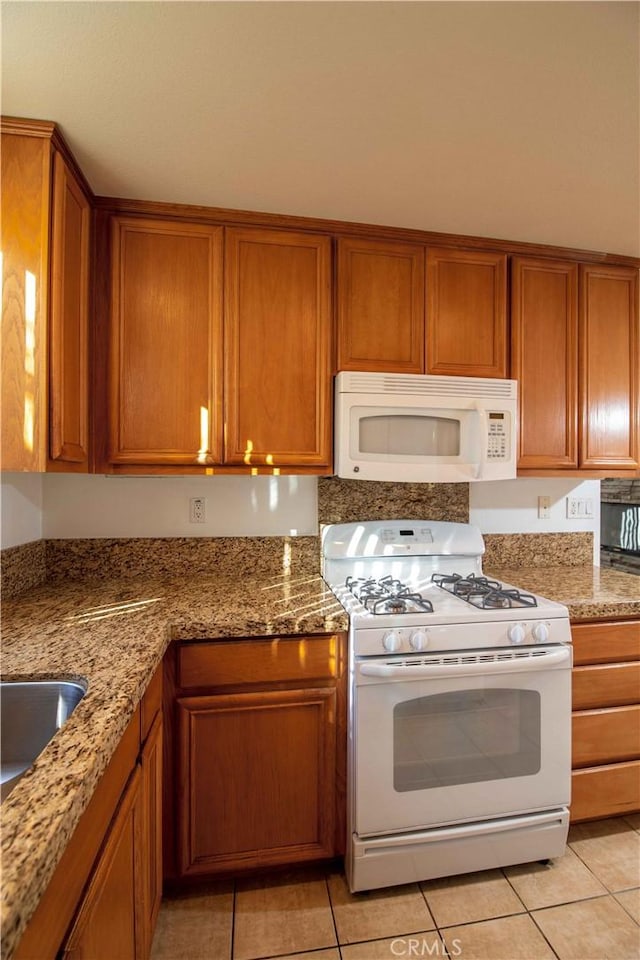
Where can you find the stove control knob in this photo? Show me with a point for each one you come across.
(540, 632)
(516, 633)
(391, 641)
(419, 640)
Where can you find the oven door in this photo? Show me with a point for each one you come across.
(449, 739)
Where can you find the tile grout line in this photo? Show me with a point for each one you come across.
(593, 874)
(333, 916)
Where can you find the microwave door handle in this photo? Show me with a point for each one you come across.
(483, 420)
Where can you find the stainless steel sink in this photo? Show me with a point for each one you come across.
(30, 714)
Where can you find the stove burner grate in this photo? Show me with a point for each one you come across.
(482, 592)
(387, 595)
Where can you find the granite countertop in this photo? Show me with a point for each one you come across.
(114, 635)
(590, 593)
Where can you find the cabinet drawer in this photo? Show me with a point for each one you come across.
(609, 685)
(606, 642)
(600, 736)
(605, 791)
(235, 663)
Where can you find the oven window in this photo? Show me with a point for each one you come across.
(408, 435)
(465, 736)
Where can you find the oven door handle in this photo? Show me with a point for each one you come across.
(534, 662)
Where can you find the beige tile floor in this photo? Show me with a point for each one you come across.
(583, 906)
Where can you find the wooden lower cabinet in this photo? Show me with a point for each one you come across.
(257, 751)
(606, 719)
(105, 927)
(258, 774)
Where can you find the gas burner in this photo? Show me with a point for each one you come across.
(483, 593)
(387, 595)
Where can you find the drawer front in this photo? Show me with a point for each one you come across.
(239, 663)
(605, 791)
(602, 736)
(608, 685)
(606, 642)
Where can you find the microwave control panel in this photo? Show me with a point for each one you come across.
(498, 444)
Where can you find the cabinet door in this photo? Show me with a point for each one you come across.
(609, 358)
(25, 167)
(151, 852)
(466, 313)
(166, 337)
(257, 776)
(277, 346)
(380, 302)
(544, 360)
(105, 927)
(68, 339)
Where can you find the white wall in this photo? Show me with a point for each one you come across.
(510, 506)
(21, 496)
(99, 506)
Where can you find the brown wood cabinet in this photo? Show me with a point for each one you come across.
(257, 749)
(609, 368)
(466, 313)
(606, 719)
(103, 898)
(574, 352)
(105, 926)
(278, 396)
(45, 301)
(380, 305)
(166, 343)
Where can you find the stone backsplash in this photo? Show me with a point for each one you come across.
(345, 501)
(537, 550)
(22, 568)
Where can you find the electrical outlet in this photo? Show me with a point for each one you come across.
(197, 510)
(544, 508)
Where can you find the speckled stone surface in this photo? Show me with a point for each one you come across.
(23, 567)
(113, 633)
(344, 501)
(538, 549)
(590, 593)
(179, 556)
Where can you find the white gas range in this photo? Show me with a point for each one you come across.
(459, 700)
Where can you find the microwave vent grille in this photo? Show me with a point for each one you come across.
(425, 385)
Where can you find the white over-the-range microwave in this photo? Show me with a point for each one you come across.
(424, 428)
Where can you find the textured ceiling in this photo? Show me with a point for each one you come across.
(517, 120)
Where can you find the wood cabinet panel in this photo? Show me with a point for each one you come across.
(380, 303)
(609, 361)
(544, 360)
(233, 663)
(607, 685)
(151, 835)
(277, 348)
(69, 321)
(166, 343)
(25, 167)
(605, 642)
(105, 928)
(466, 313)
(601, 736)
(606, 791)
(258, 775)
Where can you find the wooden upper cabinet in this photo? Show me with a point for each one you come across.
(69, 321)
(166, 343)
(277, 349)
(544, 360)
(466, 313)
(380, 304)
(609, 360)
(45, 301)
